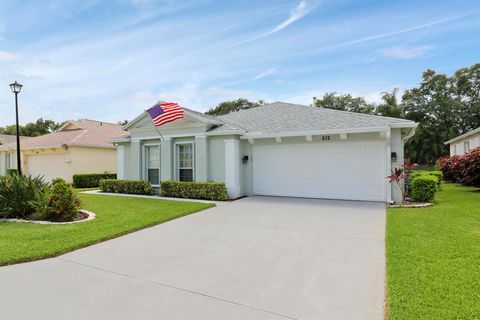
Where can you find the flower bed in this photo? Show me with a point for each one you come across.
(31, 198)
(82, 216)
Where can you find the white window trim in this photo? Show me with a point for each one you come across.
(465, 150)
(176, 173)
(8, 161)
(144, 162)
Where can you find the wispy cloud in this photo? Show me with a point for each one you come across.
(392, 33)
(405, 53)
(9, 56)
(266, 73)
(298, 12)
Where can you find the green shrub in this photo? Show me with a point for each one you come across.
(194, 190)
(91, 180)
(126, 186)
(17, 193)
(424, 188)
(12, 171)
(437, 174)
(63, 203)
(58, 180)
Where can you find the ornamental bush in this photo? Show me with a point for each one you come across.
(194, 190)
(462, 169)
(424, 188)
(436, 174)
(470, 171)
(63, 203)
(17, 192)
(126, 186)
(91, 180)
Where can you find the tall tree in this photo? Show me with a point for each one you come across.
(389, 107)
(344, 102)
(32, 129)
(234, 105)
(466, 86)
(438, 113)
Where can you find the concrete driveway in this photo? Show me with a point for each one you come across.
(255, 258)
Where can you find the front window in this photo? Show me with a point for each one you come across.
(185, 161)
(466, 146)
(8, 161)
(152, 164)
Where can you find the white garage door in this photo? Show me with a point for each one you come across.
(330, 170)
(49, 165)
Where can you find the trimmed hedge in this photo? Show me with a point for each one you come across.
(91, 180)
(424, 188)
(436, 174)
(126, 186)
(194, 190)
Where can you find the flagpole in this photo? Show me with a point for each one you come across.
(156, 128)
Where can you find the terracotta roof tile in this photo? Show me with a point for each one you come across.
(82, 132)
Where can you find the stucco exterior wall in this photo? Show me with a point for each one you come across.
(64, 163)
(458, 147)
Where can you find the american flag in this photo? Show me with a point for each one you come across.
(165, 112)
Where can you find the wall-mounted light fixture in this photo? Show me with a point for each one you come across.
(245, 159)
(394, 156)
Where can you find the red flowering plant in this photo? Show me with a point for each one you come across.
(398, 176)
(462, 169)
(401, 177)
(470, 169)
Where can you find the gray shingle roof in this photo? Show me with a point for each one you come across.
(280, 117)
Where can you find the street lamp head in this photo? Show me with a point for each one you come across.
(16, 87)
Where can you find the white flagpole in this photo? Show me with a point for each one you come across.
(156, 128)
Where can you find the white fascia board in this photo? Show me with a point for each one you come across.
(131, 123)
(404, 125)
(86, 145)
(463, 136)
(225, 133)
(251, 135)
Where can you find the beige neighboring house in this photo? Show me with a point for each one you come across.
(7, 138)
(464, 143)
(77, 147)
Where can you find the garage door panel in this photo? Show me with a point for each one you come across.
(337, 170)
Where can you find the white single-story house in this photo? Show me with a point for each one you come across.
(80, 146)
(278, 149)
(464, 143)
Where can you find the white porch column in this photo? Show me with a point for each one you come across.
(232, 167)
(135, 157)
(201, 167)
(120, 162)
(166, 160)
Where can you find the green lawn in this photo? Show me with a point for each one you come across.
(116, 216)
(433, 258)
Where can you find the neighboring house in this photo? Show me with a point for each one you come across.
(278, 149)
(77, 147)
(7, 138)
(464, 143)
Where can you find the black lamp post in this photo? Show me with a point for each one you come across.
(16, 88)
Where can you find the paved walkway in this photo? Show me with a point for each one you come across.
(255, 258)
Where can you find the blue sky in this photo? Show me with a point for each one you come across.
(109, 60)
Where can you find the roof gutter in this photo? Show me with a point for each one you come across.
(465, 135)
(253, 135)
